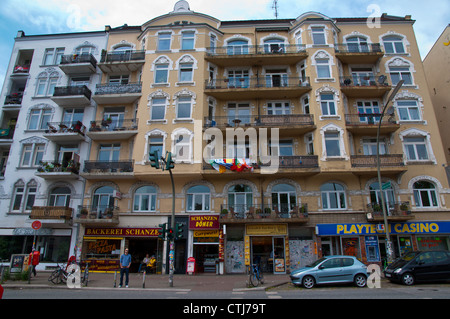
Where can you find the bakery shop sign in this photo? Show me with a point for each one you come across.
(204, 222)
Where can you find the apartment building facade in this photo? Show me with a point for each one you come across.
(45, 108)
(309, 92)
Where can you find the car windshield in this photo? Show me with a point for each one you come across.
(399, 262)
(314, 264)
(409, 256)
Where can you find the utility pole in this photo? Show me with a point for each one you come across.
(275, 8)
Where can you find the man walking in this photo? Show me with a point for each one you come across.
(125, 262)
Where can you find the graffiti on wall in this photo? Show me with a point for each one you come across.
(301, 253)
(235, 257)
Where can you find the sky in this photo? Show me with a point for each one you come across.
(61, 16)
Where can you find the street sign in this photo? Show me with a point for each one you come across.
(36, 225)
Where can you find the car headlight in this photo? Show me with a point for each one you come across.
(398, 270)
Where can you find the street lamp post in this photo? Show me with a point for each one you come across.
(389, 250)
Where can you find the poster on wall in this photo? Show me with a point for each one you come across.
(350, 246)
(372, 249)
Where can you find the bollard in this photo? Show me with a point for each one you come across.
(143, 278)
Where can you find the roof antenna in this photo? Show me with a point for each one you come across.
(275, 8)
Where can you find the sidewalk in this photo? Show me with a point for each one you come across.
(200, 282)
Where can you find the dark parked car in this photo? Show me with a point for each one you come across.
(331, 270)
(420, 266)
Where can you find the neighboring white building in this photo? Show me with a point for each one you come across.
(46, 107)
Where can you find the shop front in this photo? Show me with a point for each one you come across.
(368, 241)
(102, 247)
(207, 242)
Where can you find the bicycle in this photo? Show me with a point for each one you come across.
(85, 276)
(59, 275)
(255, 276)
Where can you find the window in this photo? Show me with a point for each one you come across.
(119, 79)
(103, 199)
(284, 148)
(240, 199)
(393, 44)
(39, 119)
(277, 78)
(318, 35)
(425, 194)
(109, 152)
(182, 146)
(238, 113)
(237, 47)
(323, 68)
(145, 199)
(274, 46)
(24, 196)
(375, 195)
(73, 115)
(333, 196)
(212, 43)
(85, 50)
(187, 40)
(238, 79)
(368, 107)
(162, 73)
(198, 199)
(400, 73)
(416, 148)
(370, 146)
(158, 109)
(363, 77)
(408, 110)
(156, 144)
(184, 104)
(164, 40)
(328, 105)
(332, 145)
(357, 44)
(284, 198)
(186, 72)
(60, 196)
(32, 155)
(46, 85)
(278, 108)
(17, 198)
(53, 56)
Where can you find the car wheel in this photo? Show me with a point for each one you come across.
(308, 282)
(408, 279)
(360, 280)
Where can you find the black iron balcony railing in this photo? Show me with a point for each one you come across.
(14, 98)
(258, 83)
(79, 58)
(273, 48)
(368, 119)
(117, 88)
(296, 161)
(66, 127)
(282, 210)
(114, 125)
(73, 91)
(357, 80)
(71, 166)
(357, 48)
(122, 56)
(392, 209)
(125, 166)
(386, 160)
(284, 120)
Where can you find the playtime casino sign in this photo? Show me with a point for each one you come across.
(374, 229)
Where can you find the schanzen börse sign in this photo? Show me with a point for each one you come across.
(394, 228)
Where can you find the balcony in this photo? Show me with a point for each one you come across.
(367, 164)
(14, 100)
(59, 213)
(250, 55)
(258, 87)
(122, 61)
(394, 211)
(114, 93)
(108, 169)
(364, 86)
(358, 53)
(72, 96)
(21, 70)
(113, 130)
(65, 132)
(69, 170)
(78, 64)
(367, 123)
(97, 216)
(238, 214)
(6, 136)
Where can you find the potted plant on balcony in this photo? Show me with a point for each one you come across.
(259, 213)
(83, 213)
(224, 213)
(404, 208)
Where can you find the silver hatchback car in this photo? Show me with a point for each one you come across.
(330, 270)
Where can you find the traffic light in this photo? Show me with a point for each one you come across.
(154, 160)
(169, 162)
(162, 232)
(179, 230)
(170, 234)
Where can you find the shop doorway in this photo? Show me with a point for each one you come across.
(206, 257)
(269, 253)
(139, 248)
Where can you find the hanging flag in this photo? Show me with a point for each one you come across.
(4, 132)
(238, 165)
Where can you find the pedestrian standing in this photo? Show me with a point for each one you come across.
(125, 263)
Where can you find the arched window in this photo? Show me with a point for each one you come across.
(333, 196)
(425, 194)
(198, 199)
(274, 46)
(145, 199)
(393, 44)
(375, 195)
(357, 44)
(237, 47)
(103, 199)
(284, 198)
(240, 199)
(60, 196)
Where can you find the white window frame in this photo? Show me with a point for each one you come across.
(152, 200)
(205, 199)
(400, 39)
(322, 32)
(408, 110)
(412, 146)
(418, 198)
(155, 105)
(337, 193)
(32, 155)
(188, 37)
(40, 117)
(52, 56)
(186, 143)
(328, 104)
(164, 37)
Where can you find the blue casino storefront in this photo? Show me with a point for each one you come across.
(367, 241)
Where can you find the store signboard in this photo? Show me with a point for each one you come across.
(394, 228)
(122, 232)
(204, 222)
(266, 229)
